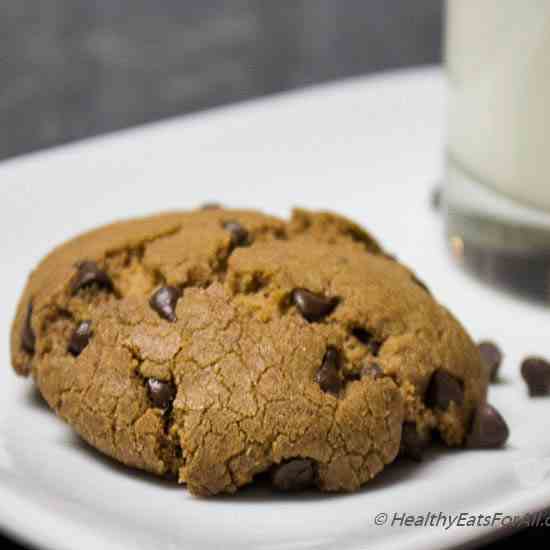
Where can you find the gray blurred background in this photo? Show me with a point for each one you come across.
(75, 68)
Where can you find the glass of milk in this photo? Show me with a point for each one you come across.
(497, 192)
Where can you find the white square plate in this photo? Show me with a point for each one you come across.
(368, 148)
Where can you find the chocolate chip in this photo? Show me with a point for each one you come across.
(164, 301)
(536, 373)
(489, 430)
(161, 393)
(413, 444)
(443, 389)
(80, 338)
(295, 475)
(421, 284)
(28, 338)
(328, 376)
(239, 235)
(492, 357)
(90, 274)
(211, 206)
(372, 370)
(364, 336)
(313, 307)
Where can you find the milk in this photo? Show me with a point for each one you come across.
(498, 63)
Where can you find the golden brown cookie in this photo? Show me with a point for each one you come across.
(217, 344)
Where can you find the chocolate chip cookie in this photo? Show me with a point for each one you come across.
(216, 345)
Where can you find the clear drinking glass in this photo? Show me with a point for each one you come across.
(497, 188)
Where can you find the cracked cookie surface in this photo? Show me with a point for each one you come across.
(216, 345)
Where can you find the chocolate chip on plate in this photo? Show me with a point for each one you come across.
(295, 475)
(28, 338)
(312, 306)
(239, 235)
(489, 430)
(442, 389)
(328, 375)
(372, 370)
(161, 393)
(492, 357)
(413, 444)
(164, 301)
(536, 373)
(80, 338)
(89, 274)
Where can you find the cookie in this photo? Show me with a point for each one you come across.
(216, 345)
